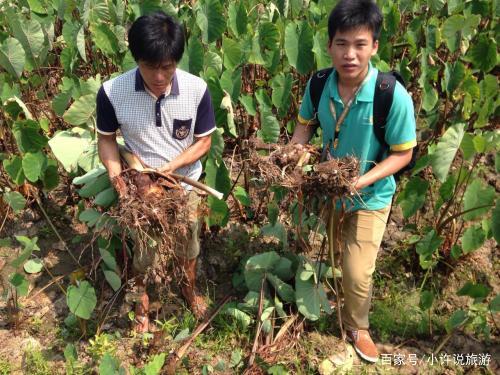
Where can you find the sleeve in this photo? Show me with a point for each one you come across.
(306, 112)
(107, 122)
(400, 132)
(205, 118)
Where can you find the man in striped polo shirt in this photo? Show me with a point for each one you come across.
(166, 118)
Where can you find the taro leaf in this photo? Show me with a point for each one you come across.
(483, 53)
(81, 110)
(427, 246)
(105, 39)
(213, 62)
(477, 291)
(495, 218)
(217, 175)
(91, 189)
(14, 168)
(273, 212)
(154, 366)
(426, 299)
(230, 81)
(182, 335)
(241, 317)
(50, 178)
(473, 239)
(108, 259)
(454, 73)
(267, 326)
(28, 137)
(266, 313)
(479, 142)
(89, 176)
(478, 195)
(80, 43)
(195, 54)
(323, 59)
(217, 146)
(20, 283)
(452, 31)
(210, 19)
(458, 318)
(284, 290)
(495, 304)
(15, 200)
(110, 365)
(257, 266)
(228, 106)
(237, 18)
(299, 45)
(89, 159)
(430, 97)
(311, 298)
(232, 53)
(283, 269)
(263, 99)
(70, 353)
(106, 197)
(218, 212)
(12, 57)
(30, 34)
(270, 127)
(37, 6)
(242, 196)
(113, 279)
(467, 146)
(249, 103)
(413, 196)
(282, 90)
(81, 299)
(34, 165)
(90, 216)
(446, 150)
(33, 266)
(278, 231)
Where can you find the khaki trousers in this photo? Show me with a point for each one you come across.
(186, 247)
(359, 237)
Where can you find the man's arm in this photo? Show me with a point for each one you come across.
(302, 134)
(109, 154)
(193, 153)
(390, 165)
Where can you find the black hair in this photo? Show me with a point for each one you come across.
(353, 14)
(155, 38)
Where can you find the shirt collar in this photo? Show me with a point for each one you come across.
(366, 92)
(139, 83)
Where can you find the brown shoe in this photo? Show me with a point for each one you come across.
(363, 345)
(193, 298)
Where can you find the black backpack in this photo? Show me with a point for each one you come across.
(382, 102)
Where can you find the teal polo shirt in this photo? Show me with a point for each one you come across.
(357, 137)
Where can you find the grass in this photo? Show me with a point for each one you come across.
(5, 367)
(35, 363)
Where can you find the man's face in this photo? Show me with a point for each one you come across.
(157, 77)
(351, 51)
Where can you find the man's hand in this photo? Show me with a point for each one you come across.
(166, 168)
(120, 186)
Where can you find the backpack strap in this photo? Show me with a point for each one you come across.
(382, 102)
(318, 81)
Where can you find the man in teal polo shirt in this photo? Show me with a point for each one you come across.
(353, 28)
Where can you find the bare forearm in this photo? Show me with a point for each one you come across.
(190, 155)
(393, 163)
(109, 154)
(302, 134)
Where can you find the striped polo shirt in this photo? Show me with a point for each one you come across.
(157, 129)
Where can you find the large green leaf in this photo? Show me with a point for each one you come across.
(311, 298)
(217, 175)
(81, 110)
(14, 167)
(94, 187)
(218, 212)
(90, 216)
(269, 126)
(477, 291)
(478, 195)
(454, 73)
(284, 290)
(446, 149)
(227, 104)
(20, 283)
(323, 59)
(34, 165)
(154, 366)
(113, 279)
(12, 57)
(230, 81)
(31, 36)
(413, 196)
(237, 17)
(81, 299)
(33, 266)
(472, 239)
(193, 58)
(458, 318)
(210, 19)
(426, 248)
(105, 39)
(256, 268)
(89, 176)
(28, 137)
(80, 43)
(299, 45)
(426, 299)
(429, 97)
(67, 146)
(282, 90)
(495, 216)
(15, 200)
(232, 53)
(106, 197)
(50, 177)
(452, 31)
(483, 53)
